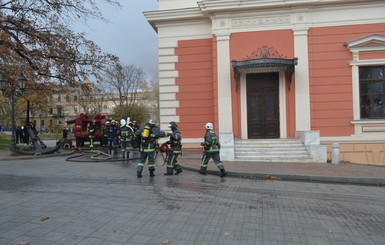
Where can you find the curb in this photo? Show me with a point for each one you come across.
(295, 177)
(27, 157)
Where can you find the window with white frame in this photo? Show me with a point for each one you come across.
(372, 92)
(368, 85)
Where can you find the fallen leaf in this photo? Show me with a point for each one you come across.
(272, 177)
(227, 234)
(23, 243)
(44, 218)
(166, 242)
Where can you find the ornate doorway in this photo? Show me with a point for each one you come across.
(263, 105)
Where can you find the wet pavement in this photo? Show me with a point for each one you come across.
(53, 201)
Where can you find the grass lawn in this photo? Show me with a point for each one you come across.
(53, 136)
(5, 142)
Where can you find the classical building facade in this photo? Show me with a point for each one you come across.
(88, 99)
(275, 69)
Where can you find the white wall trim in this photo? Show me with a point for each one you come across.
(362, 138)
(302, 80)
(224, 86)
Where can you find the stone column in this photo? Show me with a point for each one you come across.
(225, 116)
(302, 88)
(300, 18)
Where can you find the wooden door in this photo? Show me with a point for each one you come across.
(263, 105)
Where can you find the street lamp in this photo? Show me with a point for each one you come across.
(9, 88)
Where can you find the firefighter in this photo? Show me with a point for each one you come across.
(175, 143)
(148, 134)
(134, 126)
(211, 150)
(91, 133)
(126, 137)
(104, 131)
(112, 136)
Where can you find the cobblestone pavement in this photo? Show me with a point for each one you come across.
(53, 201)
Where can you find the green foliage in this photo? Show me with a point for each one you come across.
(5, 142)
(137, 112)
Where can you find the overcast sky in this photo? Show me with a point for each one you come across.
(128, 35)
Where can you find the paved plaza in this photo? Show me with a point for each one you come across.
(54, 201)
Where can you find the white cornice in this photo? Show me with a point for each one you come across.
(155, 17)
(209, 6)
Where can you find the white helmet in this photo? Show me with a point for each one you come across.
(153, 122)
(209, 125)
(122, 123)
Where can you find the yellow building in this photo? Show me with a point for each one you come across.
(88, 99)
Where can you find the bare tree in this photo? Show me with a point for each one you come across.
(123, 83)
(35, 40)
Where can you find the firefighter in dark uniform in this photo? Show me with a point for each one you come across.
(126, 137)
(91, 133)
(112, 136)
(175, 143)
(211, 150)
(148, 134)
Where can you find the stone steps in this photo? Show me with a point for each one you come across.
(271, 150)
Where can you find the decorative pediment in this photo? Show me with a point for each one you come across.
(372, 42)
(264, 57)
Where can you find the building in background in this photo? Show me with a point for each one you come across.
(281, 69)
(87, 99)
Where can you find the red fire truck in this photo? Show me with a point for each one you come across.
(82, 124)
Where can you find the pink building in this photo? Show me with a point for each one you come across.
(285, 69)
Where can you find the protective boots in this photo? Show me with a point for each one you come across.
(170, 171)
(139, 174)
(152, 173)
(223, 173)
(178, 171)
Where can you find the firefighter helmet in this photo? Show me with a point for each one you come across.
(172, 125)
(122, 123)
(209, 125)
(152, 122)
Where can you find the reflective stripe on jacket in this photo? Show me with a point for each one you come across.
(211, 142)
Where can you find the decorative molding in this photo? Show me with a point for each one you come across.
(223, 37)
(265, 52)
(372, 42)
(271, 20)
